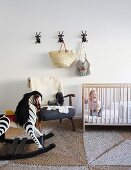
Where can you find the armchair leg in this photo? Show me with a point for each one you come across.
(73, 125)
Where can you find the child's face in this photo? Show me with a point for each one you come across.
(93, 95)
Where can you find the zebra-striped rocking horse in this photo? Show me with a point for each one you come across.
(26, 116)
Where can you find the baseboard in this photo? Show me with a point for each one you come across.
(78, 117)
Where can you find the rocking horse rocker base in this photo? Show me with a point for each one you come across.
(17, 150)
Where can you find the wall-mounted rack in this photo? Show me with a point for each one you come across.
(84, 35)
(60, 36)
(37, 36)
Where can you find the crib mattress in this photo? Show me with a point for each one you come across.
(108, 117)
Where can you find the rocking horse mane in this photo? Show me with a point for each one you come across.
(22, 109)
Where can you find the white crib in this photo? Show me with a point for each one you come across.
(115, 102)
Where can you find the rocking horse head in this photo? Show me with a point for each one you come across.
(36, 99)
(22, 110)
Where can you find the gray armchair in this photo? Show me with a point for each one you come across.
(49, 87)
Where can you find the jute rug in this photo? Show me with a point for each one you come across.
(108, 147)
(69, 150)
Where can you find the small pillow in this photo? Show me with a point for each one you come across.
(60, 98)
(11, 115)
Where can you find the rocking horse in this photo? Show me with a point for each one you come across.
(26, 116)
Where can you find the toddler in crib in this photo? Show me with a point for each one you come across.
(94, 104)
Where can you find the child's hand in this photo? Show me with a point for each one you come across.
(97, 110)
(98, 106)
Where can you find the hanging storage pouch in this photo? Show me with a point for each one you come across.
(82, 65)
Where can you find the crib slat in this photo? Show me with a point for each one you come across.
(102, 103)
(83, 109)
(110, 105)
(127, 108)
(114, 103)
(105, 103)
(122, 110)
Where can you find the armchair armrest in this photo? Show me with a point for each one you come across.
(70, 98)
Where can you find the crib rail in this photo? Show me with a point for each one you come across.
(115, 104)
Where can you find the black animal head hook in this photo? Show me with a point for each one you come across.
(84, 39)
(38, 37)
(61, 35)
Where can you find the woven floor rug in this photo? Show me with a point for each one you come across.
(69, 150)
(111, 148)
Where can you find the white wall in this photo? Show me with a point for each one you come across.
(109, 33)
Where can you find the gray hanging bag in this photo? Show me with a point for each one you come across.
(82, 65)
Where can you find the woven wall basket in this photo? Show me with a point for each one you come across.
(63, 58)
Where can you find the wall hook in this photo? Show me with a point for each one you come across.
(38, 37)
(84, 39)
(61, 35)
